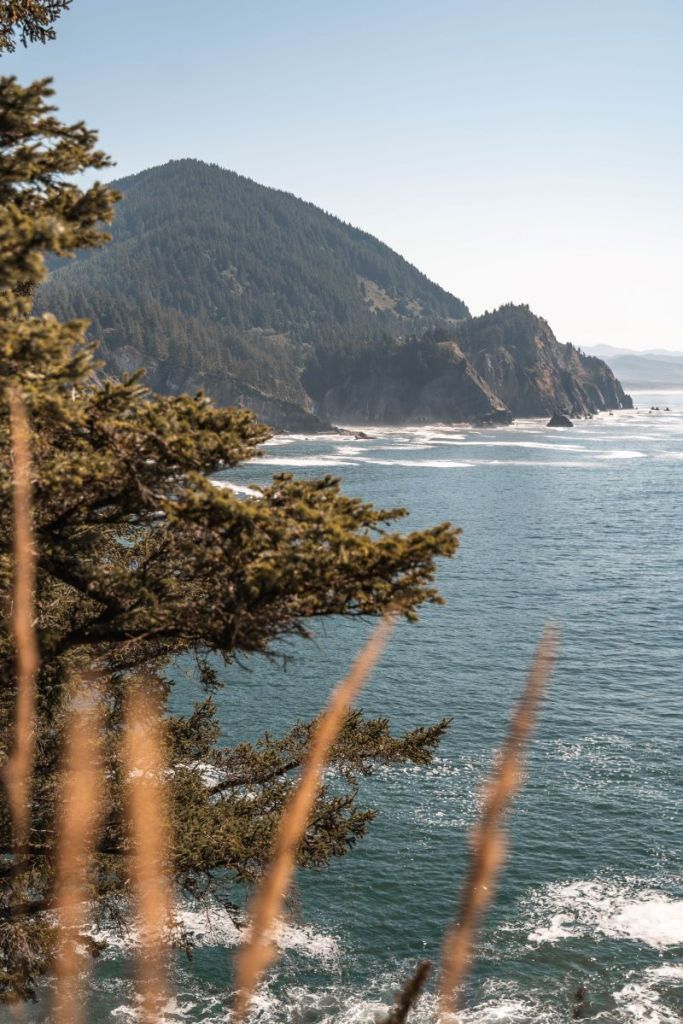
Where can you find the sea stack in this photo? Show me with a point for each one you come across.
(558, 419)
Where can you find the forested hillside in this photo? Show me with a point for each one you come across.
(210, 274)
(266, 301)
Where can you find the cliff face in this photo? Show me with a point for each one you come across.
(225, 389)
(518, 356)
(489, 369)
(419, 382)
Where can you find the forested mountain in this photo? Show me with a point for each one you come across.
(214, 281)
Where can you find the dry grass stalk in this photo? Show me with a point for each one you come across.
(80, 815)
(410, 993)
(19, 766)
(488, 839)
(259, 950)
(148, 817)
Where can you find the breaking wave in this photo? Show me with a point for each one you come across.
(616, 910)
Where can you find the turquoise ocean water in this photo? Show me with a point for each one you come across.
(581, 526)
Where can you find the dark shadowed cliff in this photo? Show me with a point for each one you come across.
(264, 300)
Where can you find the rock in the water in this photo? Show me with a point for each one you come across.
(558, 419)
(497, 418)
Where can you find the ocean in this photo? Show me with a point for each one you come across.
(581, 527)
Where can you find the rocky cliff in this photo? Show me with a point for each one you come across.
(419, 381)
(487, 369)
(520, 359)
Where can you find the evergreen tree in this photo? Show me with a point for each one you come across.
(142, 559)
(31, 20)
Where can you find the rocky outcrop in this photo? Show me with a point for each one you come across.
(485, 370)
(516, 353)
(558, 419)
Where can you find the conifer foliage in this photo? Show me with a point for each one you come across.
(30, 20)
(141, 559)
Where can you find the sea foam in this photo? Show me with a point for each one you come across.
(616, 911)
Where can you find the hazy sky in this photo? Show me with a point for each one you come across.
(514, 150)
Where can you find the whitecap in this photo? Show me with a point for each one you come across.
(657, 921)
(668, 972)
(538, 463)
(249, 492)
(304, 460)
(548, 445)
(335, 436)
(507, 1011)
(640, 1000)
(416, 447)
(620, 453)
(417, 463)
(452, 439)
(617, 911)
(559, 927)
(172, 1011)
(212, 926)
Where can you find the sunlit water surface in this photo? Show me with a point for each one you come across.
(581, 526)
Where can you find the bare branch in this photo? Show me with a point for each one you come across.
(410, 993)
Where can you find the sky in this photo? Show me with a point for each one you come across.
(513, 150)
